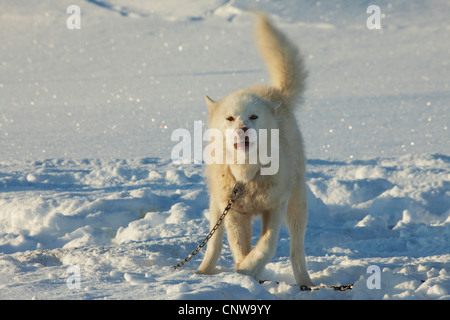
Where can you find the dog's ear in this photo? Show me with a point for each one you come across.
(212, 105)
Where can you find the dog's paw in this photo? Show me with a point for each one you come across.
(247, 270)
(304, 280)
(205, 271)
(250, 273)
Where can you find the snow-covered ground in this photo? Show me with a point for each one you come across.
(88, 191)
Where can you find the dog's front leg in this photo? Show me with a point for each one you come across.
(214, 246)
(254, 262)
(239, 232)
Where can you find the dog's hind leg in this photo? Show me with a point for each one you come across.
(297, 217)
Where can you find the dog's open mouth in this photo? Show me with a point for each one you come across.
(243, 145)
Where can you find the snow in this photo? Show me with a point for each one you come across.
(92, 207)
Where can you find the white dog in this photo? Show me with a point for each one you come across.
(278, 196)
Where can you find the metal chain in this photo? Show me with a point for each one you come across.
(237, 188)
(314, 288)
(335, 288)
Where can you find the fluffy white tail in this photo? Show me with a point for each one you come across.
(282, 58)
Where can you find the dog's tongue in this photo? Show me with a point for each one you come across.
(240, 146)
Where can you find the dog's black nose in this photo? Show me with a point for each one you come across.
(241, 132)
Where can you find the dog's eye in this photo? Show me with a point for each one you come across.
(230, 118)
(253, 117)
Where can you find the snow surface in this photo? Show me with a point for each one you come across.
(86, 117)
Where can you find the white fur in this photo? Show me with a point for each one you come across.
(277, 197)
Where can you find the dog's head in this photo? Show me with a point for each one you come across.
(240, 118)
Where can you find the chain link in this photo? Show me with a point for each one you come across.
(237, 189)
